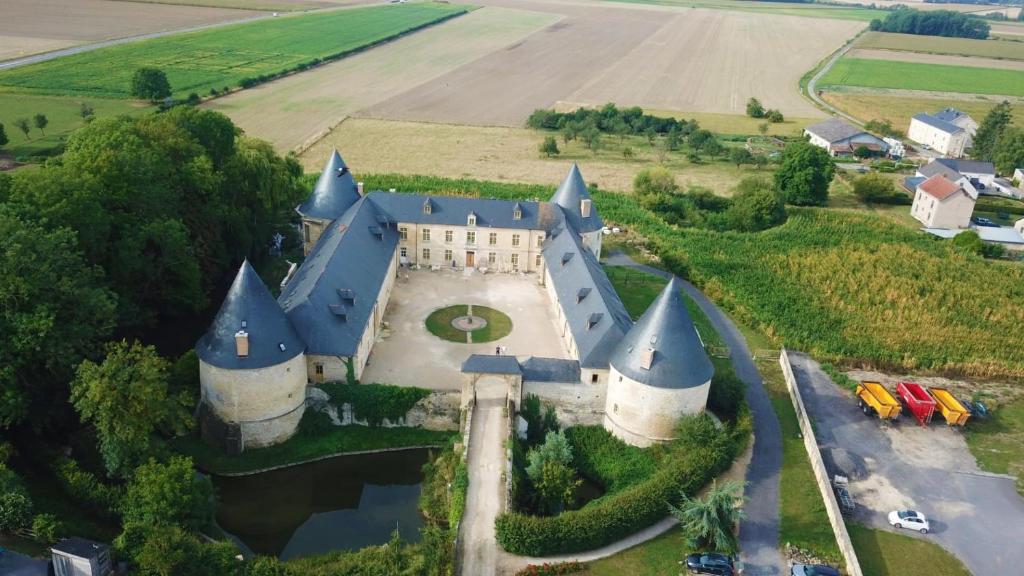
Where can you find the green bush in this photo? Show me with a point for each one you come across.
(86, 488)
(608, 461)
(725, 398)
(375, 402)
(48, 528)
(15, 511)
(694, 460)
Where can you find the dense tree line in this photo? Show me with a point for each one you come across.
(609, 119)
(932, 23)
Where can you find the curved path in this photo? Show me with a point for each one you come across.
(759, 531)
(812, 84)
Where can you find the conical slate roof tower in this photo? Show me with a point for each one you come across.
(334, 193)
(663, 349)
(571, 195)
(249, 312)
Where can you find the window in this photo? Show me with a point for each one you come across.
(447, 255)
(471, 220)
(515, 261)
(593, 378)
(318, 372)
(426, 253)
(426, 234)
(305, 232)
(491, 257)
(403, 252)
(515, 239)
(540, 240)
(492, 238)
(470, 237)
(448, 235)
(517, 214)
(403, 233)
(536, 261)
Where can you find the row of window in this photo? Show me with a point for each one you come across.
(449, 235)
(492, 257)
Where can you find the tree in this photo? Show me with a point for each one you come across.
(627, 153)
(862, 152)
(968, 241)
(673, 140)
(48, 528)
(150, 84)
(550, 470)
(990, 129)
(874, 187)
(15, 511)
(654, 181)
(23, 125)
(593, 140)
(40, 120)
(569, 132)
(709, 521)
(740, 156)
(170, 494)
(549, 147)
(883, 127)
(3, 135)
(754, 108)
(1009, 154)
(762, 128)
(804, 174)
(163, 550)
(774, 116)
(540, 419)
(756, 206)
(712, 147)
(126, 399)
(85, 110)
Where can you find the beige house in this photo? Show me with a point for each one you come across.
(943, 203)
(948, 132)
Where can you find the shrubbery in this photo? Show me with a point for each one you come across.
(86, 488)
(608, 119)
(375, 402)
(608, 461)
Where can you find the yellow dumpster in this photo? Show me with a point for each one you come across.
(872, 397)
(950, 408)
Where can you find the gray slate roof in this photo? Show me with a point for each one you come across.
(550, 370)
(679, 358)
(79, 547)
(335, 191)
(834, 130)
(910, 183)
(950, 115)
(598, 320)
(249, 301)
(486, 364)
(964, 166)
(455, 211)
(935, 167)
(936, 122)
(352, 257)
(568, 196)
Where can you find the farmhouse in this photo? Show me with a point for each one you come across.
(948, 132)
(943, 203)
(260, 353)
(842, 139)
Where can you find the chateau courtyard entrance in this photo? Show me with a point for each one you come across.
(409, 355)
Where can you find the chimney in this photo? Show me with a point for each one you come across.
(359, 188)
(585, 207)
(647, 359)
(242, 343)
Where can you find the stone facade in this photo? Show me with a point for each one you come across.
(642, 415)
(501, 249)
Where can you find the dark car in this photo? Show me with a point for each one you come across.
(982, 221)
(814, 570)
(710, 563)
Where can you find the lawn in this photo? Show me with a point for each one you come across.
(939, 45)
(998, 442)
(659, 556)
(439, 323)
(899, 109)
(739, 125)
(883, 553)
(926, 77)
(224, 56)
(63, 114)
(306, 446)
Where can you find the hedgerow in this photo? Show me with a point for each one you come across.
(375, 402)
(603, 458)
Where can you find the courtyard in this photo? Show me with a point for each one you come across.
(409, 355)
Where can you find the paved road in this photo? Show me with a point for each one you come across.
(812, 84)
(486, 492)
(977, 516)
(14, 564)
(759, 531)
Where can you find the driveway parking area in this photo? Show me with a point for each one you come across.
(976, 515)
(409, 355)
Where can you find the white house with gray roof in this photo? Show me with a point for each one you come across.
(841, 138)
(948, 131)
(260, 354)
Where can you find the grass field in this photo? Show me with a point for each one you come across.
(778, 8)
(883, 553)
(928, 77)
(63, 114)
(998, 442)
(199, 61)
(737, 124)
(657, 557)
(938, 45)
(439, 323)
(275, 5)
(899, 109)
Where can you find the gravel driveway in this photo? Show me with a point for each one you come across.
(976, 515)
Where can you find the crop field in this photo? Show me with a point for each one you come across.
(806, 10)
(63, 114)
(33, 26)
(1002, 49)
(899, 109)
(199, 61)
(1009, 11)
(299, 108)
(925, 77)
(1008, 30)
(944, 59)
(275, 5)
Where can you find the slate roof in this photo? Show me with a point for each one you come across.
(455, 211)
(79, 547)
(486, 364)
(936, 168)
(335, 191)
(598, 320)
(950, 115)
(910, 183)
(939, 123)
(568, 196)
(248, 301)
(550, 370)
(967, 166)
(679, 359)
(939, 187)
(332, 295)
(834, 130)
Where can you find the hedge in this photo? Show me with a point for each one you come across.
(603, 458)
(375, 402)
(692, 465)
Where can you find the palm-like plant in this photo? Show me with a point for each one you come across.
(710, 520)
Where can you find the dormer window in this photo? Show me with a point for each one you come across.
(517, 212)
(427, 207)
(581, 294)
(594, 319)
(471, 219)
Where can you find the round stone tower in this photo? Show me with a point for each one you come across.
(252, 369)
(659, 372)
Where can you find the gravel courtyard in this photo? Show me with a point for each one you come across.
(411, 356)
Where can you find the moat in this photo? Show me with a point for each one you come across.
(342, 503)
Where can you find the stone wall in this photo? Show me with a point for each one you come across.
(835, 517)
(438, 411)
(575, 403)
(641, 415)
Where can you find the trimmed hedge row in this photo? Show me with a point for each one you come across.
(692, 464)
(603, 458)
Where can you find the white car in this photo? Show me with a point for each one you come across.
(909, 519)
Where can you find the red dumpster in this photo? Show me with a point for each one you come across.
(917, 400)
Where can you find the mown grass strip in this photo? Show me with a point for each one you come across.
(883, 553)
(938, 45)
(927, 77)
